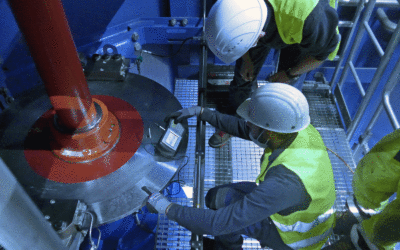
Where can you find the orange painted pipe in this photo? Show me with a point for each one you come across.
(50, 42)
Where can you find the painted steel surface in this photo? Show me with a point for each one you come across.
(62, 161)
(117, 194)
(46, 31)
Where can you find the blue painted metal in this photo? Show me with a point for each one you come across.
(134, 232)
(366, 61)
(182, 8)
(8, 31)
(174, 190)
(95, 23)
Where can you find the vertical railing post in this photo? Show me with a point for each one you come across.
(198, 190)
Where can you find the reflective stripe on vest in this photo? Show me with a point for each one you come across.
(303, 227)
(311, 241)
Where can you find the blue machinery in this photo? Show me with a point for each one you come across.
(366, 99)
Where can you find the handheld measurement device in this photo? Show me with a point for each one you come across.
(171, 139)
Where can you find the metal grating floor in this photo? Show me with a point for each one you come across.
(239, 161)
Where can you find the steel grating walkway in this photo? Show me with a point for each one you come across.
(239, 160)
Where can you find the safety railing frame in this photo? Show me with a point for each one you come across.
(385, 58)
(196, 242)
(362, 147)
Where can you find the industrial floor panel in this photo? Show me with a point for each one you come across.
(239, 160)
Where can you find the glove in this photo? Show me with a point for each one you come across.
(178, 116)
(157, 203)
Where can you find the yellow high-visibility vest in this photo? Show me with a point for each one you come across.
(308, 158)
(290, 16)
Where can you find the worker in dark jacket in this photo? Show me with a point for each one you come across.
(290, 204)
(305, 31)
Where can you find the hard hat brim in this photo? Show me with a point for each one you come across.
(243, 110)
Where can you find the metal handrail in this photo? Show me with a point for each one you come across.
(385, 103)
(358, 81)
(357, 15)
(198, 187)
(375, 81)
(379, 72)
(356, 42)
(384, 19)
(375, 41)
(379, 3)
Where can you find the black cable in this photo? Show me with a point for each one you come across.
(169, 56)
(181, 182)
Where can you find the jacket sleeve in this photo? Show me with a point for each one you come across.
(282, 189)
(230, 124)
(377, 176)
(320, 37)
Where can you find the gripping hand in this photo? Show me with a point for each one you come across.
(178, 116)
(157, 203)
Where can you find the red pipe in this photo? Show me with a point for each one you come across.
(50, 42)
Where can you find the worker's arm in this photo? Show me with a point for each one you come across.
(282, 190)
(382, 228)
(319, 40)
(307, 64)
(227, 123)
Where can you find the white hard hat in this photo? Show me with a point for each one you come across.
(233, 26)
(277, 107)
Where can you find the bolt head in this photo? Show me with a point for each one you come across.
(135, 36)
(172, 22)
(137, 46)
(96, 57)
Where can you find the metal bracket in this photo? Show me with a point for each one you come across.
(107, 68)
(66, 217)
(320, 84)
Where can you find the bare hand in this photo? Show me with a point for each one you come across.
(279, 77)
(247, 69)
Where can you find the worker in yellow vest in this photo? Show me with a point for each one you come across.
(372, 222)
(289, 206)
(243, 31)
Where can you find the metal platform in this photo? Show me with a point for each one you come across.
(239, 160)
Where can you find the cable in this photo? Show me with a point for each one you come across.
(169, 56)
(345, 163)
(144, 227)
(181, 182)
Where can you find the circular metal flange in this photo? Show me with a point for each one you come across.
(119, 193)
